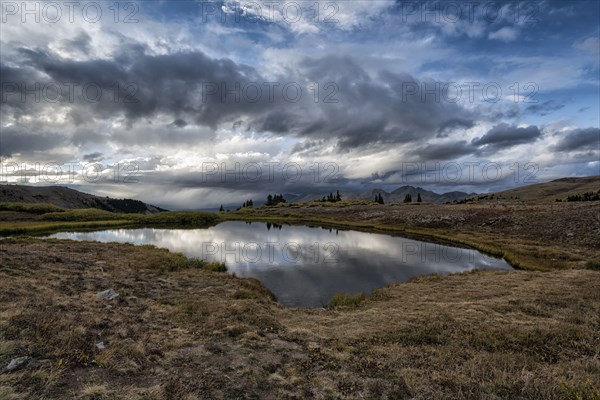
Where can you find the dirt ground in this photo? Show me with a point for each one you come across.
(176, 333)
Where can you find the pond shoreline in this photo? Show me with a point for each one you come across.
(305, 265)
(170, 322)
(541, 237)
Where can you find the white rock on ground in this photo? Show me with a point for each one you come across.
(17, 363)
(108, 294)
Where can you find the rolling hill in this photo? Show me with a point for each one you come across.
(550, 191)
(67, 198)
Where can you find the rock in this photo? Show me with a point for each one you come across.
(108, 294)
(17, 363)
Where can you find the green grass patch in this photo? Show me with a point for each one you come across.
(585, 391)
(92, 218)
(32, 208)
(84, 214)
(339, 203)
(40, 228)
(593, 265)
(412, 203)
(172, 217)
(215, 266)
(178, 261)
(195, 218)
(342, 300)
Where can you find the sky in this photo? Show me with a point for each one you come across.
(193, 104)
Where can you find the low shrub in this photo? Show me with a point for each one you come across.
(593, 265)
(340, 300)
(84, 214)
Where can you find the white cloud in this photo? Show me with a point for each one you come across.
(506, 34)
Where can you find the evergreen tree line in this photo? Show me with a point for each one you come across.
(273, 200)
(587, 196)
(332, 198)
(408, 198)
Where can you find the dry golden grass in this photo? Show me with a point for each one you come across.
(550, 191)
(189, 333)
(94, 392)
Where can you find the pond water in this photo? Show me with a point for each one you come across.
(305, 266)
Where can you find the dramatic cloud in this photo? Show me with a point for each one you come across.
(15, 140)
(504, 136)
(93, 157)
(544, 108)
(446, 151)
(579, 139)
(353, 91)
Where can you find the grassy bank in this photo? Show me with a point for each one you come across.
(177, 330)
(540, 237)
(33, 208)
(98, 219)
(517, 258)
(544, 241)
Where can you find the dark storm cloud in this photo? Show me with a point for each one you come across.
(453, 124)
(179, 123)
(503, 136)
(83, 136)
(17, 140)
(146, 85)
(13, 96)
(544, 108)
(308, 147)
(93, 157)
(367, 112)
(446, 151)
(579, 139)
(352, 108)
(277, 121)
(82, 43)
(266, 181)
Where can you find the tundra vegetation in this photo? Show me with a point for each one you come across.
(184, 328)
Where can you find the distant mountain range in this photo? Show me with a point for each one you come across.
(396, 195)
(69, 198)
(72, 199)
